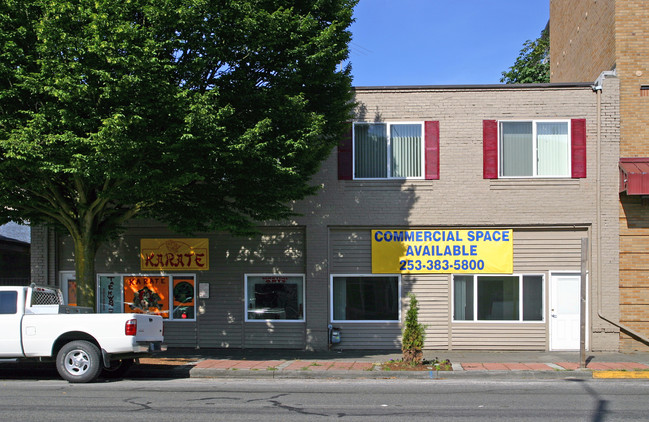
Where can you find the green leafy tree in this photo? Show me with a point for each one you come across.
(533, 62)
(412, 342)
(202, 114)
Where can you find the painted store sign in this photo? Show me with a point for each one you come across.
(174, 254)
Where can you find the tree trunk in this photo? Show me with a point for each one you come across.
(85, 251)
(413, 356)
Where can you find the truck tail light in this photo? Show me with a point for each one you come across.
(130, 329)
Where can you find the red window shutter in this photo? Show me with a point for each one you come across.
(345, 156)
(578, 147)
(431, 136)
(489, 149)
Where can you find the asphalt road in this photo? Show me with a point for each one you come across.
(312, 400)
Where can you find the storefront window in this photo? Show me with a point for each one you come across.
(184, 291)
(498, 298)
(171, 297)
(532, 298)
(463, 299)
(365, 298)
(275, 297)
(109, 294)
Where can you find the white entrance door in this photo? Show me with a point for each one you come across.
(565, 290)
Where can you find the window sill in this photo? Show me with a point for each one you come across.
(463, 322)
(534, 183)
(364, 322)
(281, 321)
(389, 184)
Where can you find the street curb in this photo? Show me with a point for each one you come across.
(10, 371)
(621, 374)
(387, 375)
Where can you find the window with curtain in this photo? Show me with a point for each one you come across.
(388, 150)
(498, 298)
(534, 149)
(365, 298)
(463, 297)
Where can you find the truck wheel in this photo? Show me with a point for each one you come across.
(118, 368)
(79, 361)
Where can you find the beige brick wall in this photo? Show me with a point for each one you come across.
(450, 200)
(462, 198)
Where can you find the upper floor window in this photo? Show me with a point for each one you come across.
(388, 151)
(535, 149)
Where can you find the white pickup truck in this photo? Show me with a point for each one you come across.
(35, 324)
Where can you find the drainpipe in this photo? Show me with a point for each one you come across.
(597, 87)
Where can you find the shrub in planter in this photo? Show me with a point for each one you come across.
(412, 342)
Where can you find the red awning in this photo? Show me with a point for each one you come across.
(634, 175)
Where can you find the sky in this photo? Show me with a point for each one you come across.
(441, 42)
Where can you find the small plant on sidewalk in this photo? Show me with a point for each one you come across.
(412, 342)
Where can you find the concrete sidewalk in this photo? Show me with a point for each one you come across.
(272, 363)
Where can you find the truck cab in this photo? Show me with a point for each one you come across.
(12, 308)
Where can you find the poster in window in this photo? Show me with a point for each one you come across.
(68, 283)
(148, 295)
(184, 293)
(72, 292)
(110, 294)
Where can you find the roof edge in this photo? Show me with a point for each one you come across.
(6, 239)
(475, 86)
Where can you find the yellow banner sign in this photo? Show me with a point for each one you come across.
(174, 254)
(442, 251)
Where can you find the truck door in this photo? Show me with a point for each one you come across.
(10, 318)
